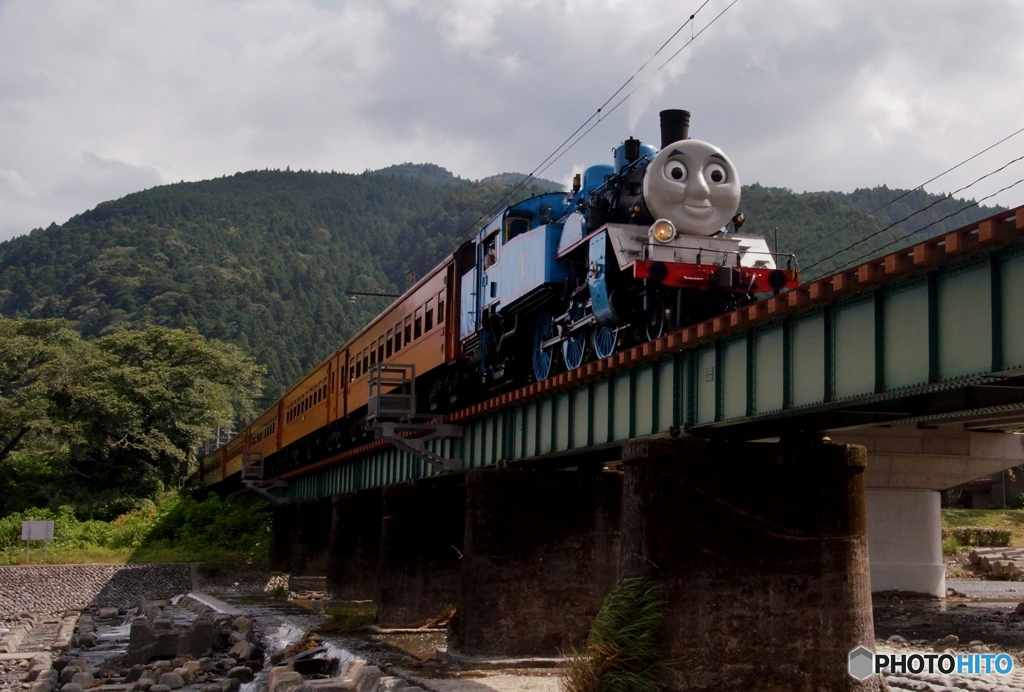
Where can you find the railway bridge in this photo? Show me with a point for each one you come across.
(750, 463)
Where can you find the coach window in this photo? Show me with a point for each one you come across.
(417, 328)
(398, 337)
(389, 344)
(380, 349)
(366, 360)
(429, 320)
(440, 306)
(408, 330)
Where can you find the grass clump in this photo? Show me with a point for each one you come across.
(622, 653)
(349, 616)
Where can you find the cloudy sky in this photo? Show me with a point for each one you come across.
(102, 98)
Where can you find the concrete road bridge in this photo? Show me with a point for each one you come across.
(751, 463)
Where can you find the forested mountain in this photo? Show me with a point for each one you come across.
(264, 259)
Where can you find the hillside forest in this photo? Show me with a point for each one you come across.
(131, 331)
(264, 260)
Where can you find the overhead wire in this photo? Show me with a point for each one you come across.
(907, 192)
(626, 97)
(947, 216)
(915, 213)
(572, 139)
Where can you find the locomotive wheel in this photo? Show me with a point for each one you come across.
(574, 348)
(657, 314)
(604, 340)
(543, 358)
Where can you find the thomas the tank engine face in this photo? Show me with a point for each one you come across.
(692, 184)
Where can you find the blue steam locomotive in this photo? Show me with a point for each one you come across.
(636, 248)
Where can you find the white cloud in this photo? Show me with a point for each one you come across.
(103, 98)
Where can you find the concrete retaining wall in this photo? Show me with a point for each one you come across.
(54, 588)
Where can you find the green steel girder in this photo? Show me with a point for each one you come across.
(945, 345)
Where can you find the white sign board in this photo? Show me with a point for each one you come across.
(37, 530)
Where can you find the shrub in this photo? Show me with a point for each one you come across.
(622, 653)
(978, 536)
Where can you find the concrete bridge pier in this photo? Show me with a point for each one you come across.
(282, 529)
(420, 549)
(907, 467)
(541, 553)
(762, 551)
(354, 545)
(312, 530)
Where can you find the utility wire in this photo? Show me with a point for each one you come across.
(907, 192)
(915, 213)
(569, 141)
(626, 97)
(947, 216)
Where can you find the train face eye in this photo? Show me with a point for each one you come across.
(715, 172)
(675, 170)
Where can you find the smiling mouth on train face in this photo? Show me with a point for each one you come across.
(705, 208)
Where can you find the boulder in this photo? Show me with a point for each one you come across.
(173, 680)
(367, 679)
(230, 684)
(284, 681)
(241, 651)
(241, 673)
(134, 674)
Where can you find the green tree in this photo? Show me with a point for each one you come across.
(105, 423)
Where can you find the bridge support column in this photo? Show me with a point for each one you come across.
(354, 545)
(420, 550)
(310, 537)
(541, 553)
(905, 540)
(282, 529)
(762, 552)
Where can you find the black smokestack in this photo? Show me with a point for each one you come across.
(675, 125)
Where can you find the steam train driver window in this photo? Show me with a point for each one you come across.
(516, 225)
(491, 251)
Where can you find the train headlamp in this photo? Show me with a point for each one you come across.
(663, 231)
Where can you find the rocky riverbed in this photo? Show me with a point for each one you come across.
(232, 634)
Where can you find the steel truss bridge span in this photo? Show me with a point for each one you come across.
(928, 334)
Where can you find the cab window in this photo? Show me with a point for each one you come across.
(516, 225)
(490, 251)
